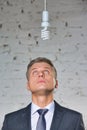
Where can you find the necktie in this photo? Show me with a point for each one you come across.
(41, 124)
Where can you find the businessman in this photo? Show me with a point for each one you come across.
(43, 113)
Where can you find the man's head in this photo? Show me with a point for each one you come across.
(41, 76)
(39, 60)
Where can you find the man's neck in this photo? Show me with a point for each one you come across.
(42, 101)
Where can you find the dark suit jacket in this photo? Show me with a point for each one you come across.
(63, 119)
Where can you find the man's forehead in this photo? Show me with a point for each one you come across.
(41, 64)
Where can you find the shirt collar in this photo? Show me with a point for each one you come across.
(34, 107)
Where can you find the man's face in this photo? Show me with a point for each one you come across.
(41, 78)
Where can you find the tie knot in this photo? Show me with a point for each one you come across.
(42, 111)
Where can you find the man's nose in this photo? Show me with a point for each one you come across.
(41, 74)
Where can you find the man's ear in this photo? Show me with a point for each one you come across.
(56, 83)
(27, 85)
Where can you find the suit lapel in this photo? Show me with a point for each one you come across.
(57, 117)
(26, 118)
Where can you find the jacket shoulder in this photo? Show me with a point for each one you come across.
(66, 110)
(18, 112)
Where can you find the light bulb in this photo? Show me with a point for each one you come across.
(45, 33)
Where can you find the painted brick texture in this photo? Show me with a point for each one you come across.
(20, 41)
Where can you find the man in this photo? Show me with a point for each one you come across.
(41, 81)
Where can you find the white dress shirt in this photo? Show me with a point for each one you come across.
(48, 115)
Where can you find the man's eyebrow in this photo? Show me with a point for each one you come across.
(43, 67)
(33, 69)
(47, 68)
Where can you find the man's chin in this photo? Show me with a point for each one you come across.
(43, 91)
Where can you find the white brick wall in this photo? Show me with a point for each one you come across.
(20, 41)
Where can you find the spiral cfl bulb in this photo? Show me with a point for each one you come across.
(45, 33)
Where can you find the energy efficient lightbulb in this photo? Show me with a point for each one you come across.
(45, 33)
